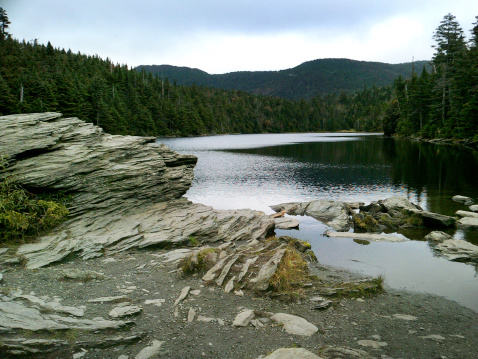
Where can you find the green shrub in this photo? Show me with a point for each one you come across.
(24, 215)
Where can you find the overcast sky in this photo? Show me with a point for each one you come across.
(221, 36)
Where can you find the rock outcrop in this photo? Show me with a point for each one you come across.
(126, 191)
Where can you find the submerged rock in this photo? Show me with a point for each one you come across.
(367, 236)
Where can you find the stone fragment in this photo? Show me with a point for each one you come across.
(150, 352)
(294, 324)
(124, 311)
(474, 208)
(82, 275)
(15, 315)
(239, 293)
(331, 351)
(261, 281)
(52, 305)
(286, 223)
(288, 353)
(195, 292)
(184, 293)
(118, 298)
(435, 337)
(191, 314)
(367, 236)
(463, 199)
(202, 318)
(404, 317)
(243, 318)
(156, 302)
(437, 236)
(230, 285)
(371, 344)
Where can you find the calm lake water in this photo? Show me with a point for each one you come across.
(256, 171)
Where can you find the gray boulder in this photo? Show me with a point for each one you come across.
(332, 213)
(458, 250)
(437, 236)
(398, 203)
(431, 219)
(474, 208)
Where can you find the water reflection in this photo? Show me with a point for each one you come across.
(256, 171)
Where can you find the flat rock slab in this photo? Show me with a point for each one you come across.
(289, 353)
(124, 311)
(458, 250)
(243, 318)
(332, 213)
(431, 219)
(151, 351)
(286, 223)
(367, 236)
(295, 325)
(14, 315)
(371, 344)
(474, 208)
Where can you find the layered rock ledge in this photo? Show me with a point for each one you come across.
(127, 191)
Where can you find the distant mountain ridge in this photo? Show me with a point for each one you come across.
(322, 76)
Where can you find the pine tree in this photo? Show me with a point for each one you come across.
(4, 22)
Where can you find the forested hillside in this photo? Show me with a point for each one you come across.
(324, 76)
(37, 78)
(444, 102)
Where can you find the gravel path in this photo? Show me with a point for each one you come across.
(395, 324)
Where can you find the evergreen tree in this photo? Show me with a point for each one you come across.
(4, 22)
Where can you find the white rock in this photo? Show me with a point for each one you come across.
(294, 324)
(436, 337)
(243, 318)
(107, 299)
(292, 353)
(404, 317)
(151, 351)
(371, 344)
(195, 292)
(184, 293)
(156, 302)
(123, 311)
(191, 314)
(367, 236)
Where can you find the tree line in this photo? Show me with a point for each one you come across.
(37, 78)
(442, 103)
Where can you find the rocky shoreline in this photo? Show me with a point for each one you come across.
(106, 283)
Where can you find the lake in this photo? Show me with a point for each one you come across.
(256, 171)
